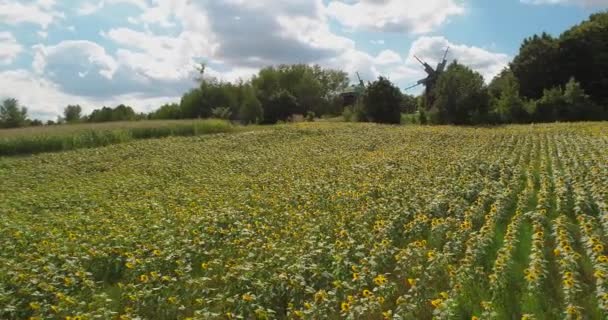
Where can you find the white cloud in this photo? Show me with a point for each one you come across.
(584, 3)
(412, 16)
(73, 56)
(45, 100)
(387, 57)
(9, 48)
(88, 8)
(39, 12)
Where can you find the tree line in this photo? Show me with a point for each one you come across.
(551, 79)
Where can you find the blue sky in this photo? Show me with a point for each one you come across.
(144, 52)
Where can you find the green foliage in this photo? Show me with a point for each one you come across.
(349, 114)
(581, 107)
(310, 116)
(312, 87)
(279, 106)
(581, 52)
(536, 65)
(12, 115)
(72, 113)
(59, 139)
(409, 103)
(192, 105)
(106, 114)
(551, 106)
(250, 110)
(221, 113)
(382, 102)
(584, 55)
(167, 111)
(569, 104)
(460, 96)
(505, 103)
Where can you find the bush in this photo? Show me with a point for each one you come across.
(382, 102)
(310, 116)
(221, 113)
(581, 107)
(279, 107)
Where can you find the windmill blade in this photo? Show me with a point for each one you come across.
(446, 52)
(410, 87)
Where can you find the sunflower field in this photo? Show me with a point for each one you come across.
(312, 221)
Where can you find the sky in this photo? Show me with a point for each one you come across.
(145, 53)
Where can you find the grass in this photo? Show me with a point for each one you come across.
(33, 140)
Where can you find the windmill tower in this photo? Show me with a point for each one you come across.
(432, 76)
(351, 95)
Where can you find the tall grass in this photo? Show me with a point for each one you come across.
(70, 137)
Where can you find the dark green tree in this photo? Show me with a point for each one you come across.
(167, 111)
(72, 113)
(279, 106)
(536, 66)
(580, 105)
(583, 54)
(12, 115)
(505, 103)
(409, 103)
(192, 105)
(460, 96)
(250, 110)
(382, 102)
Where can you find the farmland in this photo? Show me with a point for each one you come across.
(313, 221)
(30, 140)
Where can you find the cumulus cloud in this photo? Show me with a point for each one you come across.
(45, 99)
(9, 48)
(387, 57)
(85, 68)
(412, 16)
(40, 12)
(88, 8)
(584, 3)
(284, 32)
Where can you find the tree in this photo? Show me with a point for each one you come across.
(580, 105)
(314, 88)
(193, 106)
(123, 113)
(250, 110)
(505, 102)
(460, 96)
(583, 54)
(536, 66)
(279, 106)
(382, 102)
(551, 105)
(221, 113)
(409, 103)
(72, 113)
(167, 111)
(105, 114)
(11, 116)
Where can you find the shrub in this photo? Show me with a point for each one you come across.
(382, 102)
